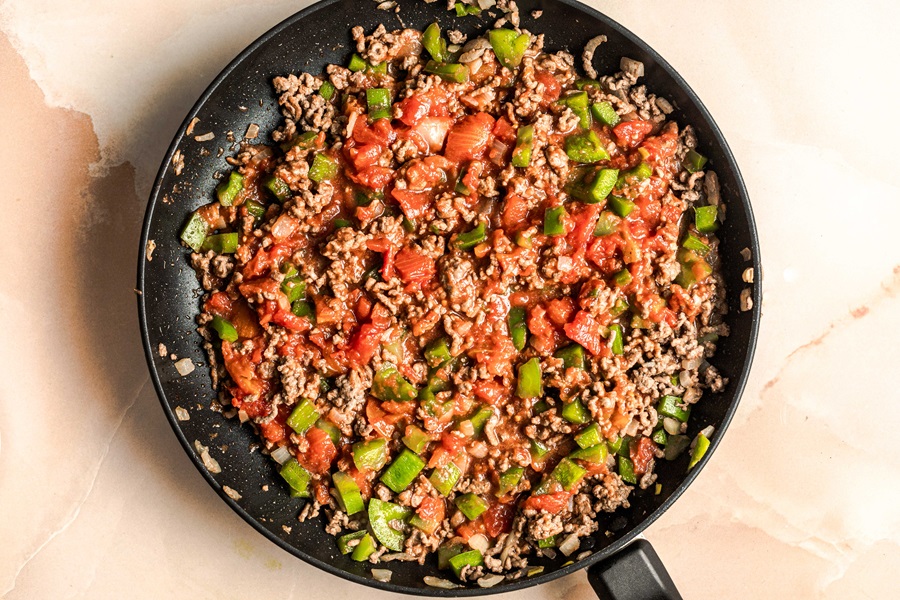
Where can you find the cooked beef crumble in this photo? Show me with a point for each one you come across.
(469, 296)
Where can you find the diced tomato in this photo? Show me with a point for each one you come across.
(364, 155)
(546, 337)
(641, 452)
(219, 304)
(583, 231)
(265, 288)
(431, 509)
(585, 330)
(320, 490)
(414, 205)
(329, 311)
(504, 131)
(467, 530)
(560, 310)
(660, 147)
(380, 132)
(242, 370)
(365, 486)
(373, 177)
(412, 109)
(414, 267)
(604, 252)
(515, 213)
(469, 138)
(272, 430)
(552, 88)
(472, 176)
(289, 320)
(364, 344)
(551, 503)
(490, 391)
(363, 307)
(630, 134)
(498, 519)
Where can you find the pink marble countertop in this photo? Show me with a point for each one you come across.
(97, 499)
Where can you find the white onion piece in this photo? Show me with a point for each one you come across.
(549, 553)
(569, 545)
(382, 574)
(486, 4)
(672, 426)
(500, 155)
(434, 131)
(489, 580)
(281, 455)
(243, 417)
(692, 363)
(632, 67)
(184, 367)
(479, 542)
(182, 414)
(437, 582)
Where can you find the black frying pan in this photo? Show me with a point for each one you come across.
(241, 95)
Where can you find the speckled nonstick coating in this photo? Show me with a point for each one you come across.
(168, 302)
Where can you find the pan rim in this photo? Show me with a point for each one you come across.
(740, 382)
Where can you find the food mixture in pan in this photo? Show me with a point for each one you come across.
(466, 297)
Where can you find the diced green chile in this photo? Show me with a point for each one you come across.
(509, 480)
(622, 278)
(227, 191)
(518, 330)
(509, 46)
(302, 308)
(444, 478)
(348, 493)
(604, 112)
(593, 454)
(255, 209)
(224, 329)
(323, 168)
(357, 63)
(705, 218)
(403, 471)
(381, 514)
(434, 43)
(607, 223)
(370, 455)
(568, 473)
(294, 288)
(599, 187)
(692, 242)
(453, 72)
(694, 161)
(326, 90)
(297, 478)
(472, 558)
(589, 436)
(438, 353)
(660, 437)
(330, 428)
(277, 187)
(626, 470)
(521, 156)
(303, 416)
(416, 439)
(388, 384)
(554, 220)
(379, 102)
(221, 243)
(470, 239)
(344, 544)
(575, 411)
(195, 232)
(615, 339)
(530, 384)
(586, 147)
(572, 356)
(669, 407)
(471, 505)
(621, 206)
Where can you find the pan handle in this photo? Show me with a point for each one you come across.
(634, 573)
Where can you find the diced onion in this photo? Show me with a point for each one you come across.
(632, 67)
(184, 367)
(570, 544)
(437, 582)
(486, 4)
(182, 414)
(685, 379)
(232, 493)
(397, 555)
(583, 555)
(479, 542)
(243, 417)
(489, 580)
(499, 156)
(692, 363)
(281, 454)
(382, 574)
(549, 553)
(672, 426)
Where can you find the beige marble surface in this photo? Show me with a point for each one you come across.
(97, 500)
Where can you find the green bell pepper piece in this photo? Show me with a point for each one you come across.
(530, 384)
(323, 168)
(434, 43)
(297, 478)
(466, 9)
(227, 191)
(330, 428)
(479, 419)
(576, 412)
(326, 90)
(444, 478)
(302, 308)
(388, 384)
(568, 473)
(303, 416)
(255, 209)
(357, 63)
(572, 356)
(616, 445)
(604, 112)
(294, 288)
(224, 329)
(626, 470)
(429, 526)
(221, 243)
(277, 187)
(472, 558)
(585, 147)
(364, 549)
(589, 436)
(668, 407)
(403, 471)
(470, 239)
(621, 206)
(509, 46)
(548, 542)
(348, 493)
(380, 516)
(700, 447)
(416, 439)
(676, 445)
(692, 242)
(518, 330)
(509, 480)
(593, 454)
(538, 450)
(344, 544)
(521, 156)
(554, 220)
(622, 278)
(606, 224)
(660, 437)
(453, 72)
(694, 161)
(370, 455)
(616, 343)
(379, 102)
(596, 191)
(437, 353)
(705, 218)
(446, 552)
(471, 505)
